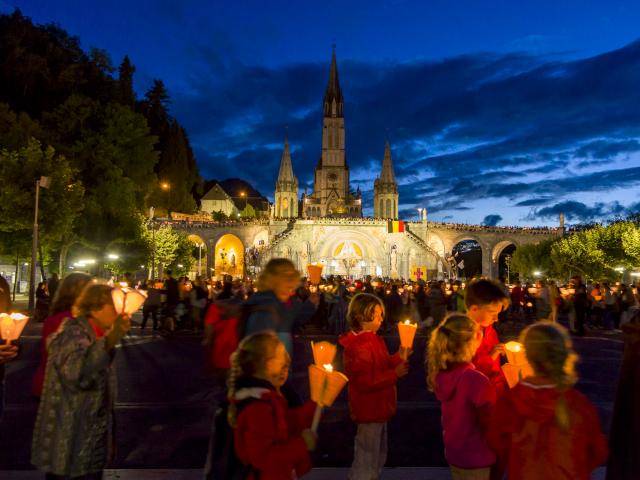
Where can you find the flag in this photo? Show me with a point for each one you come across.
(461, 265)
(395, 226)
(419, 273)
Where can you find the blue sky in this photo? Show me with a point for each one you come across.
(497, 111)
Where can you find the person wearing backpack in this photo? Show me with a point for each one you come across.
(271, 440)
(274, 307)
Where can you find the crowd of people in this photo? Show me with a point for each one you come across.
(540, 428)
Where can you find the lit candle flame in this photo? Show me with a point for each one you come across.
(407, 322)
(124, 284)
(328, 367)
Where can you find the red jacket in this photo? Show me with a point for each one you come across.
(524, 425)
(486, 364)
(225, 335)
(51, 325)
(372, 377)
(268, 435)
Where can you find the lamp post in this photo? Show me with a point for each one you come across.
(507, 262)
(43, 182)
(153, 242)
(200, 246)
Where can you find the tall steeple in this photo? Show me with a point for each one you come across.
(333, 99)
(385, 188)
(285, 175)
(286, 194)
(387, 174)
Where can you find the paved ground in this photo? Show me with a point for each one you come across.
(164, 407)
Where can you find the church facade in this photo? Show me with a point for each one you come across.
(327, 226)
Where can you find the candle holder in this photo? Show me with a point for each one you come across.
(127, 300)
(407, 332)
(12, 325)
(324, 386)
(517, 366)
(323, 353)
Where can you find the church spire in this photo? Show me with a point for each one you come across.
(387, 174)
(286, 169)
(333, 100)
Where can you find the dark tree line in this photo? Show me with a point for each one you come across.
(74, 109)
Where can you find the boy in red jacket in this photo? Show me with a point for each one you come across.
(485, 300)
(373, 374)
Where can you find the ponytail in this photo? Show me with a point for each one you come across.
(453, 341)
(550, 352)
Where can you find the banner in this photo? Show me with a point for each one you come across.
(395, 226)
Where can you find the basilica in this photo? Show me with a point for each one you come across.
(332, 195)
(327, 227)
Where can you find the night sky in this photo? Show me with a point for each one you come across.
(498, 112)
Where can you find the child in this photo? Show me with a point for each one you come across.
(485, 300)
(273, 439)
(466, 396)
(373, 374)
(550, 430)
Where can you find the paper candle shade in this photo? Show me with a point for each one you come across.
(407, 333)
(315, 271)
(127, 300)
(12, 325)
(325, 386)
(515, 353)
(517, 367)
(323, 353)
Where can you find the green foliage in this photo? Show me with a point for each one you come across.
(60, 205)
(529, 258)
(219, 216)
(248, 211)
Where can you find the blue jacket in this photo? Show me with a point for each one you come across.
(269, 313)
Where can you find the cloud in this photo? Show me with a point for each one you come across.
(524, 128)
(492, 220)
(580, 212)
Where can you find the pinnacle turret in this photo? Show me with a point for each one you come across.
(285, 175)
(387, 174)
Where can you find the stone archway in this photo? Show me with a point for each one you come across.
(498, 253)
(342, 252)
(468, 258)
(200, 256)
(229, 256)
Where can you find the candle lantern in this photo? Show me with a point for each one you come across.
(407, 331)
(517, 366)
(323, 353)
(12, 325)
(315, 272)
(324, 385)
(127, 300)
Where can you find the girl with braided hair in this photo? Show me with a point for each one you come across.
(269, 436)
(466, 395)
(544, 426)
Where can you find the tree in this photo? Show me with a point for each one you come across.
(60, 205)
(126, 95)
(580, 253)
(534, 257)
(155, 107)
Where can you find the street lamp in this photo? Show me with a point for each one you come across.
(152, 220)
(200, 247)
(244, 195)
(113, 256)
(43, 182)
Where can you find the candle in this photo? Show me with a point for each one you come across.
(324, 385)
(407, 332)
(517, 366)
(12, 325)
(323, 353)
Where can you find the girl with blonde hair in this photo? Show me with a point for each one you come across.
(271, 438)
(466, 396)
(544, 426)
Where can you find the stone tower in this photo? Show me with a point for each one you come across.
(385, 189)
(331, 195)
(286, 195)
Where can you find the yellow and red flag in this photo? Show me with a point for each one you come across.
(395, 226)
(419, 273)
